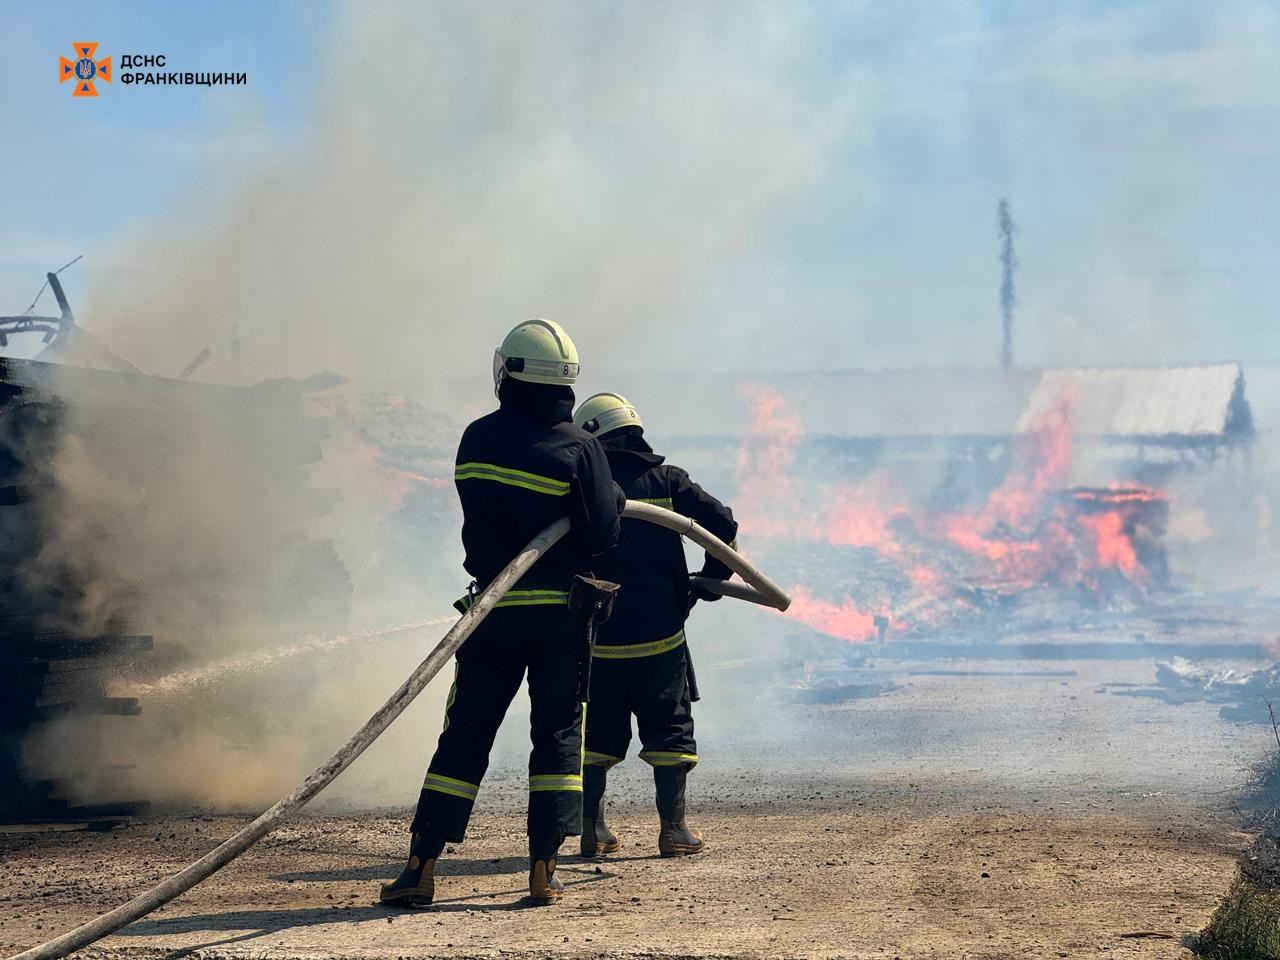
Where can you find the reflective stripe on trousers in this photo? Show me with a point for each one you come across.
(667, 758)
(451, 786)
(545, 782)
(630, 651)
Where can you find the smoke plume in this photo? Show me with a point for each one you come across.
(468, 167)
(464, 167)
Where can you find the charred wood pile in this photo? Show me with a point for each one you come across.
(130, 507)
(49, 676)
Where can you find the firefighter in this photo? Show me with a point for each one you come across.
(641, 664)
(519, 469)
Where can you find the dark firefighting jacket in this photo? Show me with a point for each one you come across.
(521, 468)
(649, 560)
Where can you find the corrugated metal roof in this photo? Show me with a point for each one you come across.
(1146, 402)
(1199, 401)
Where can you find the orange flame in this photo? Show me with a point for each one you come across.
(765, 460)
(839, 620)
(1024, 533)
(362, 466)
(1113, 546)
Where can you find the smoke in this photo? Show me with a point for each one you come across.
(192, 514)
(468, 167)
(464, 167)
(1124, 135)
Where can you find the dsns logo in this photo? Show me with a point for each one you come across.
(84, 70)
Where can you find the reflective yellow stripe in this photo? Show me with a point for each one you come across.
(667, 758)
(454, 788)
(543, 782)
(600, 759)
(529, 598)
(656, 501)
(515, 478)
(630, 651)
(524, 598)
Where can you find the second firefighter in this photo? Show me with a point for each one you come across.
(642, 665)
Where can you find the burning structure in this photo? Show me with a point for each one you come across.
(933, 497)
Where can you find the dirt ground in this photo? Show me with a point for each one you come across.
(892, 873)
(984, 811)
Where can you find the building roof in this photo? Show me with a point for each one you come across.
(1152, 402)
(1156, 404)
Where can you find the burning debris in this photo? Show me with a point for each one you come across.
(865, 549)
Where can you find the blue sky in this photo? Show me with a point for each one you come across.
(853, 157)
(86, 170)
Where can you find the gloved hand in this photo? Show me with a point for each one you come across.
(697, 593)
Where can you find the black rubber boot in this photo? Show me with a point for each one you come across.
(597, 838)
(416, 885)
(544, 887)
(676, 838)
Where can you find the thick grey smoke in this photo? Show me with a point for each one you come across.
(465, 167)
(468, 166)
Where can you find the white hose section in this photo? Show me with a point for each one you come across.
(773, 594)
(731, 588)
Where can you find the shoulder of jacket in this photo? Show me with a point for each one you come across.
(478, 429)
(577, 435)
(480, 423)
(672, 473)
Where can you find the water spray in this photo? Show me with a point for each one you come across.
(184, 681)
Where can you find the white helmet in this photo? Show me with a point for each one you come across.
(606, 411)
(538, 351)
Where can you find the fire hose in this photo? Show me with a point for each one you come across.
(762, 590)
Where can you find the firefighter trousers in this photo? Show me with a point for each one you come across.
(547, 642)
(633, 679)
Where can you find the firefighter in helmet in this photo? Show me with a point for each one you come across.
(641, 664)
(518, 470)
